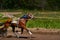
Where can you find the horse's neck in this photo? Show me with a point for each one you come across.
(23, 20)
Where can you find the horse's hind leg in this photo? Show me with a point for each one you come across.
(13, 29)
(22, 30)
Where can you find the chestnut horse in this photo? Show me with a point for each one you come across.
(5, 25)
(20, 24)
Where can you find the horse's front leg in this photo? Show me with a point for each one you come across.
(24, 27)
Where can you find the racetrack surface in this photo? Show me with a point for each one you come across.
(37, 35)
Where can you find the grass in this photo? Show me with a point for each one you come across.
(43, 20)
(3, 19)
(44, 23)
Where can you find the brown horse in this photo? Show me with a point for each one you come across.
(20, 24)
(3, 30)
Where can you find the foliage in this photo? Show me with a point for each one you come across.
(30, 4)
(41, 19)
(1, 15)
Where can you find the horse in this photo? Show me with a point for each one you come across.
(3, 30)
(20, 24)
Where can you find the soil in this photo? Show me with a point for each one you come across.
(38, 34)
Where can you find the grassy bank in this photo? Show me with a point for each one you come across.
(44, 23)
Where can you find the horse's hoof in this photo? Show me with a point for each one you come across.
(19, 32)
(30, 33)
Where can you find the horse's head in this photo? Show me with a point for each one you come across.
(29, 16)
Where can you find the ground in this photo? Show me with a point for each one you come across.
(38, 34)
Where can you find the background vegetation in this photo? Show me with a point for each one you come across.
(46, 12)
(41, 19)
(52, 5)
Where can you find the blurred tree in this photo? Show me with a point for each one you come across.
(30, 4)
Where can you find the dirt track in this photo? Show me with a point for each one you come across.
(37, 35)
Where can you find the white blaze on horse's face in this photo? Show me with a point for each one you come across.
(30, 15)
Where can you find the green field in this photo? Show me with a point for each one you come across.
(44, 23)
(41, 19)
